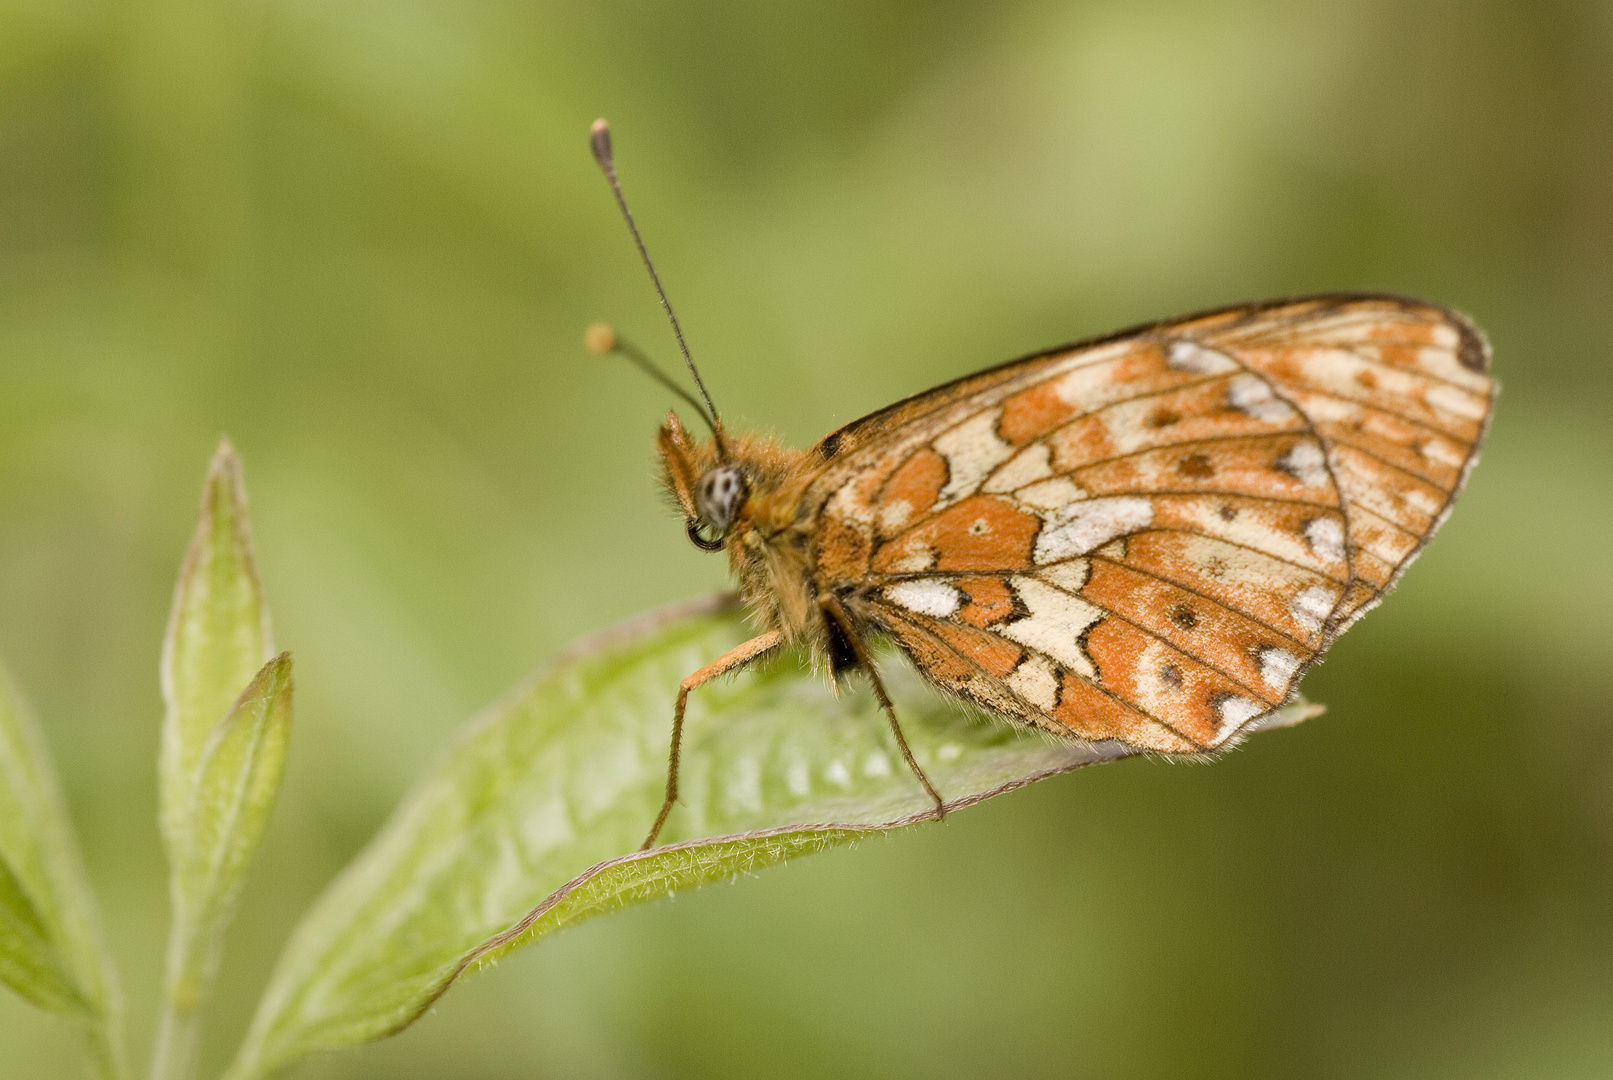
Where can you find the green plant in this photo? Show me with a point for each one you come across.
(516, 831)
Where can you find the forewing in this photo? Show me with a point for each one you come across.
(1148, 537)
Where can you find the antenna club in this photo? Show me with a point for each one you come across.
(599, 139)
(600, 339)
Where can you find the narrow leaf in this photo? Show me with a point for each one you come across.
(222, 750)
(233, 791)
(218, 637)
(494, 845)
(50, 946)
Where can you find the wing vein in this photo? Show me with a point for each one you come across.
(1111, 695)
(1380, 459)
(1167, 642)
(1205, 597)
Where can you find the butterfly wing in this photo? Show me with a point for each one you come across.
(1148, 537)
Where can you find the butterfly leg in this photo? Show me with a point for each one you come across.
(835, 610)
(749, 652)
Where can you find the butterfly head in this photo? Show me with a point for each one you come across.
(709, 489)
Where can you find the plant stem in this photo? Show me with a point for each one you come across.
(192, 964)
(107, 1060)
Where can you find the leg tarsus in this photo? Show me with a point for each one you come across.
(907, 755)
(671, 769)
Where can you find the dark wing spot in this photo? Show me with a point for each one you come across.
(1226, 513)
(829, 445)
(1163, 418)
(1183, 616)
(1473, 352)
(1171, 676)
(1197, 466)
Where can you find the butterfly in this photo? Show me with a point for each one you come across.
(1144, 538)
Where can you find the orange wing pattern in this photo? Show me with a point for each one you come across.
(1150, 536)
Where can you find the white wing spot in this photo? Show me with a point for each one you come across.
(893, 515)
(1235, 712)
(1305, 462)
(1036, 682)
(1026, 467)
(1440, 453)
(972, 450)
(914, 561)
(1418, 499)
(1051, 494)
(1192, 357)
(1441, 361)
(1080, 527)
(1454, 402)
(837, 774)
(926, 596)
(1277, 666)
(849, 504)
(1325, 535)
(1054, 625)
(1312, 606)
(1252, 396)
(1088, 386)
(1071, 576)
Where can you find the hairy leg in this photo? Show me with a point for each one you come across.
(733, 660)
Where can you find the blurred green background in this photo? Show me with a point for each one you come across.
(363, 239)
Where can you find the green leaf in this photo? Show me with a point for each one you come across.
(223, 748)
(233, 791)
(50, 946)
(519, 828)
(218, 636)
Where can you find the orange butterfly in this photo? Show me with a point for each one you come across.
(1145, 538)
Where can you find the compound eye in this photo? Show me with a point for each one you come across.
(704, 543)
(719, 495)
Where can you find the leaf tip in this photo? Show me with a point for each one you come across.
(224, 476)
(280, 670)
(225, 456)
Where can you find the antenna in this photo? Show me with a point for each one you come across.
(601, 339)
(599, 139)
